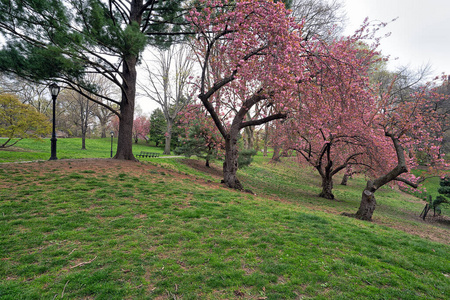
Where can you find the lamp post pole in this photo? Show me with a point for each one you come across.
(112, 136)
(54, 90)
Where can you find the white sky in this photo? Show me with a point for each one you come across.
(420, 35)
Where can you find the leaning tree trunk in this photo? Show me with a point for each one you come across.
(368, 203)
(327, 188)
(168, 137)
(230, 165)
(125, 139)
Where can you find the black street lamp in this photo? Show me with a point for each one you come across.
(112, 136)
(54, 90)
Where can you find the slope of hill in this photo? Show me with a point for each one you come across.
(166, 229)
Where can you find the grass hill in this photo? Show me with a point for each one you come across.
(165, 228)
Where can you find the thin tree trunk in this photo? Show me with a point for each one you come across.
(249, 138)
(83, 140)
(168, 136)
(276, 153)
(345, 179)
(266, 138)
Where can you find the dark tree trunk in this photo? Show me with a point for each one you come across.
(168, 136)
(124, 141)
(327, 188)
(129, 76)
(345, 179)
(368, 203)
(230, 165)
(83, 140)
(276, 153)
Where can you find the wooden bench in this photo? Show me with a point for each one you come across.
(147, 154)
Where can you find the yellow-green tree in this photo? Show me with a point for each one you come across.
(19, 121)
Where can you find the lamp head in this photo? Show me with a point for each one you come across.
(54, 89)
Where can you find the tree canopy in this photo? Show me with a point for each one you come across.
(67, 40)
(19, 121)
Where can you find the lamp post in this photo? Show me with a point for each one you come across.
(112, 136)
(54, 90)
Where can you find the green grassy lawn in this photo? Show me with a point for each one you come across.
(29, 150)
(161, 230)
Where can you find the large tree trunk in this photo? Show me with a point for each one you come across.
(125, 139)
(368, 203)
(327, 188)
(168, 136)
(230, 165)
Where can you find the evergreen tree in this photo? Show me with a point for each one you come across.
(199, 143)
(66, 40)
(157, 127)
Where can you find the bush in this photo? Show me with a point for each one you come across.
(246, 157)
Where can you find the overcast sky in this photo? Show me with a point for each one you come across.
(419, 36)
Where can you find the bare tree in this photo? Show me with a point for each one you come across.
(28, 92)
(102, 112)
(77, 111)
(323, 19)
(167, 82)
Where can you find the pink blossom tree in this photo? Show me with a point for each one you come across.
(406, 127)
(250, 53)
(329, 127)
(141, 128)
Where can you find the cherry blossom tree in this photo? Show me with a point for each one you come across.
(141, 128)
(329, 127)
(249, 53)
(406, 127)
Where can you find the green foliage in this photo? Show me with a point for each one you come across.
(443, 198)
(64, 38)
(197, 143)
(18, 121)
(445, 186)
(246, 157)
(158, 126)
